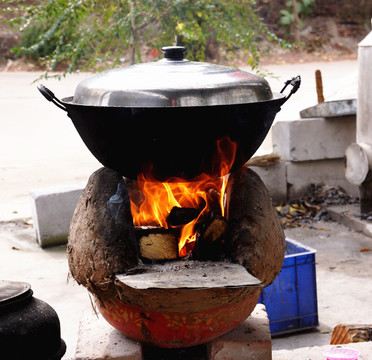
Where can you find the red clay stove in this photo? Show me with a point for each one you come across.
(192, 298)
(188, 312)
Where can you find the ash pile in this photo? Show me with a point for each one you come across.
(304, 212)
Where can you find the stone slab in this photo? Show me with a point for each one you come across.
(98, 340)
(350, 216)
(313, 139)
(52, 209)
(250, 340)
(328, 109)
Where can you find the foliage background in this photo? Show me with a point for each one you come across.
(86, 34)
(97, 42)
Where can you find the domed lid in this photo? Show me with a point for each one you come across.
(172, 82)
(13, 291)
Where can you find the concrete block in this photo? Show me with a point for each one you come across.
(250, 340)
(350, 216)
(98, 340)
(52, 210)
(300, 175)
(313, 139)
(330, 109)
(275, 179)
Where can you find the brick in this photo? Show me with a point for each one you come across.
(250, 340)
(314, 138)
(98, 340)
(52, 210)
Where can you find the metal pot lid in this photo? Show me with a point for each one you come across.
(172, 82)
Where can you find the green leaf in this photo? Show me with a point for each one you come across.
(289, 4)
(285, 12)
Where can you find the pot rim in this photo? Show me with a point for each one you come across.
(275, 97)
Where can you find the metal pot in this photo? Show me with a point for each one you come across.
(29, 327)
(168, 116)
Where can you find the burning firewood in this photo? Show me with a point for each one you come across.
(256, 239)
(102, 240)
(209, 244)
(215, 229)
(181, 216)
(157, 243)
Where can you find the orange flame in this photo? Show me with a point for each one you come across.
(159, 198)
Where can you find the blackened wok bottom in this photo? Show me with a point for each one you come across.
(171, 142)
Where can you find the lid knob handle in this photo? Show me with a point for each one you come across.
(175, 53)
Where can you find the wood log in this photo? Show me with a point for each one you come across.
(215, 229)
(256, 239)
(181, 216)
(319, 86)
(157, 243)
(346, 333)
(209, 244)
(101, 241)
(214, 201)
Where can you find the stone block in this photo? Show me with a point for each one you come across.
(250, 340)
(52, 210)
(313, 139)
(98, 340)
(300, 175)
(331, 109)
(350, 216)
(275, 179)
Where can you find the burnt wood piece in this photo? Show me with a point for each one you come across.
(215, 229)
(157, 243)
(256, 239)
(209, 244)
(214, 202)
(213, 209)
(181, 216)
(101, 241)
(347, 333)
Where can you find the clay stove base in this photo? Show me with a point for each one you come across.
(98, 340)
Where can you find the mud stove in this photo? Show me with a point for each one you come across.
(174, 237)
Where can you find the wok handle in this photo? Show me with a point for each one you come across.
(295, 82)
(51, 97)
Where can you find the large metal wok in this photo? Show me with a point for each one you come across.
(166, 117)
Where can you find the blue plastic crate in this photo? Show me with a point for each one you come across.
(291, 300)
